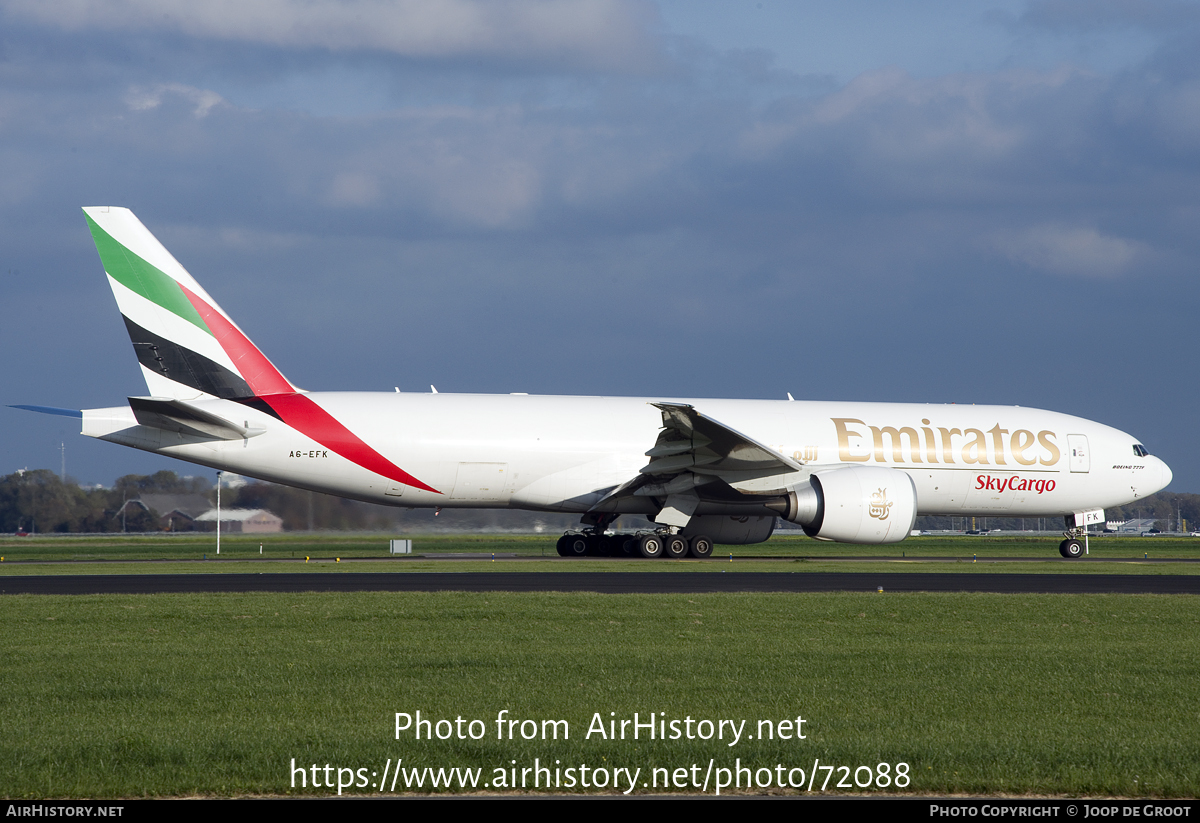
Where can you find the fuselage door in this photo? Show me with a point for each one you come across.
(480, 481)
(1078, 446)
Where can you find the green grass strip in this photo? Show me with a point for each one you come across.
(358, 545)
(127, 696)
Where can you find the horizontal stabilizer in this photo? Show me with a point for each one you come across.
(179, 416)
(51, 410)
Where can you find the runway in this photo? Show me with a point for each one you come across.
(605, 583)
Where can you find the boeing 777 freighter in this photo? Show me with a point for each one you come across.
(702, 471)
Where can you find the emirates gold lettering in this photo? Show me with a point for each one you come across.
(843, 436)
(897, 444)
(930, 443)
(976, 450)
(1046, 439)
(947, 444)
(1021, 442)
(910, 444)
(996, 433)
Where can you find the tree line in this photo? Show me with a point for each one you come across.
(39, 501)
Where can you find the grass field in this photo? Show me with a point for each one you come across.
(327, 545)
(180, 695)
(368, 553)
(215, 695)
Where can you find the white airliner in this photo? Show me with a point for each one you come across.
(703, 471)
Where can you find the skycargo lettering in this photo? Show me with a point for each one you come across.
(859, 442)
(1013, 483)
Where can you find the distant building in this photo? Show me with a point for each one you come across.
(245, 521)
(1138, 526)
(175, 512)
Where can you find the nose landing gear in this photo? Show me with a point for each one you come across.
(1075, 546)
(1071, 548)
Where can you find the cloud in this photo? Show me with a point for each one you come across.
(238, 240)
(604, 34)
(141, 98)
(1077, 251)
(583, 221)
(863, 91)
(354, 189)
(1088, 15)
(903, 116)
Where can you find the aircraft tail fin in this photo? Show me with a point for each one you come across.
(187, 346)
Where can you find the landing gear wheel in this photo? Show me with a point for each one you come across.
(675, 546)
(629, 545)
(607, 546)
(577, 545)
(561, 546)
(651, 546)
(1071, 549)
(701, 547)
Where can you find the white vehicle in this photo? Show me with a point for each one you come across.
(704, 471)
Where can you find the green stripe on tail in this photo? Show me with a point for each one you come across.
(139, 276)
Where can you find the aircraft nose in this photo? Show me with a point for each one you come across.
(1166, 474)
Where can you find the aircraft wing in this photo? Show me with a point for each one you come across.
(692, 441)
(698, 457)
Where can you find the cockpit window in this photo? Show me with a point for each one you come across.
(1140, 450)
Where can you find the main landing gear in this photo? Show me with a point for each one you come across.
(645, 544)
(594, 541)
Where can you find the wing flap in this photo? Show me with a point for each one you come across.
(697, 458)
(689, 435)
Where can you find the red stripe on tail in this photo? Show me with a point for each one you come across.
(296, 410)
(255, 368)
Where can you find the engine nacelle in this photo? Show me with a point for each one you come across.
(858, 504)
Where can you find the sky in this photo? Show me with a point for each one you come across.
(966, 201)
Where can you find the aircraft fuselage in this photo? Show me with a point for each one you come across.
(565, 453)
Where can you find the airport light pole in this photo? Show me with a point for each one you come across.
(219, 511)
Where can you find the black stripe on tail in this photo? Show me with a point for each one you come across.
(185, 366)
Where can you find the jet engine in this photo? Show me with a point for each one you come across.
(857, 504)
